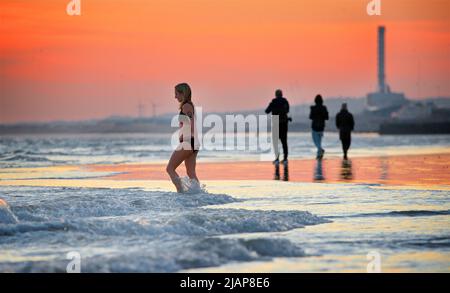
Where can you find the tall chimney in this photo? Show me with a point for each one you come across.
(381, 75)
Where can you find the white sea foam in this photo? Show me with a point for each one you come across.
(192, 186)
(134, 230)
(137, 212)
(120, 230)
(169, 256)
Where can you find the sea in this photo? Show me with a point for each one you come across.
(224, 226)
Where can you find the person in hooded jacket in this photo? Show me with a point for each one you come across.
(280, 107)
(318, 115)
(345, 123)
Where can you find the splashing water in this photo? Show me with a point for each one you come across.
(192, 186)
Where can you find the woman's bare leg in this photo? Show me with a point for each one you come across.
(190, 164)
(175, 160)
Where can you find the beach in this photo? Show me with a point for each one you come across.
(427, 169)
(62, 196)
(225, 137)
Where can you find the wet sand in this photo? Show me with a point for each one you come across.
(427, 169)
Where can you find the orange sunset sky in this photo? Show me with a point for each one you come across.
(234, 53)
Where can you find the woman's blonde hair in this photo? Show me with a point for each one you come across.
(185, 90)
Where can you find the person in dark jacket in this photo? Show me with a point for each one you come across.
(345, 123)
(318, 115)
(280, 107)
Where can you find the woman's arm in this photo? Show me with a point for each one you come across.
(188, 110)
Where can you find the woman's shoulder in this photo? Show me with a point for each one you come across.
(187, 107)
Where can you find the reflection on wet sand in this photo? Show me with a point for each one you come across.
(318, 171)
(424, 170)
(384, 166)
(285, 172)
(346, 170)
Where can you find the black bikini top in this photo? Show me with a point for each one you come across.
(181, 111)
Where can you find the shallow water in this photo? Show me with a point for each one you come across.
(57, 149)
(408, 228)
(235, 226)
(249, 226)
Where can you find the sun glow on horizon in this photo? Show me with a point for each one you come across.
(233, 53)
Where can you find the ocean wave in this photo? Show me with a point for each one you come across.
(25, 158)
(72, 175)
(133, 230)
(103, 211)
(82, 148)
(216, 251)
(424, 242)
(79, 203)
(232, 221)
(200, 222)
(19, 228)
(171, 257)
(410, 213)
(432, 242)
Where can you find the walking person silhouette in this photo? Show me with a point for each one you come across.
(345, 123)
(318, 115)
(279, 107)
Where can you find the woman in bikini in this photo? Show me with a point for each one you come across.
(188, 148)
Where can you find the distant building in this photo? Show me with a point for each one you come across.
(384, 99)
